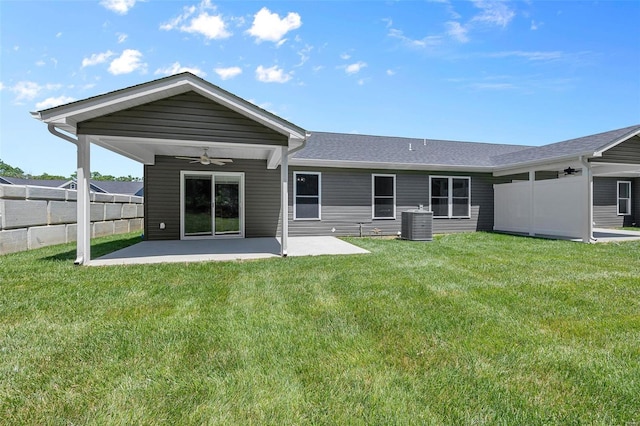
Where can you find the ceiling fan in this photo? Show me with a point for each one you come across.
(205, 160)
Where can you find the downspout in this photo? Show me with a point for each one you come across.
(588, 232)
(284, 179)
(80, 259)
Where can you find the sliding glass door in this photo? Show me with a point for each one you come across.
(212, 204)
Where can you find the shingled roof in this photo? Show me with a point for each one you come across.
(343, 147)
(353, 149)
(586, 145)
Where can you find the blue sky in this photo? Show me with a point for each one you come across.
(521, 72)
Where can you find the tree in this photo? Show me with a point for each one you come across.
(10, 171)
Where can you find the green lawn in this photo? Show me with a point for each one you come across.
(474, 328)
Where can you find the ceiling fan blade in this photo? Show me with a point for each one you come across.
(224, 160)
(217, 162)
(186, 158)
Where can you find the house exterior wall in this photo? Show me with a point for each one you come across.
(188, 116)
(162, 195)
(345, 197)
(346, 202)
(605, 208)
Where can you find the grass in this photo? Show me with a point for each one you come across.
(472, 328)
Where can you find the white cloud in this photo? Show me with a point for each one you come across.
(531, 56)
(176, 68)
(52, 102)
(97, 58)
(457, 31)
(210, 26)
(129, 61)
(345, 56)
(40, 63)
(427, 41)
(227, 73)
(535, 25)
(304, 54)
(272, 74)
(493, 86)
(58, 35)
(2, 86)
(120, 7)
(493, 12)
(268, 26)
(26, 90)
(391, 73)
(355, 68)
(122, 37)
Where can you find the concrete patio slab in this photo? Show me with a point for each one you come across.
(604, 235)
(224, 250)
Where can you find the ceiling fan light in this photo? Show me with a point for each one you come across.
(204, 160)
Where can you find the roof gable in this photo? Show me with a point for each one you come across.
(69, 115)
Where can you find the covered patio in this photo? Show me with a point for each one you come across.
(210, 158)
(182, 251)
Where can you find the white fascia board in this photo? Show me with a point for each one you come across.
(618, 141)
(386, 166)
(112, 102)
(536, 165)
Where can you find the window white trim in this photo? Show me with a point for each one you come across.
(450, 197)
(295, 196)
(626, 199)
(373, 196)
(183, 175)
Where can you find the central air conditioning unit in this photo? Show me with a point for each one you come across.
(417, 225)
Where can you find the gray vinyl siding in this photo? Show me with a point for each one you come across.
(605, 199)
(162, 196)
(626, 152)
(346, 202)
(188, 116)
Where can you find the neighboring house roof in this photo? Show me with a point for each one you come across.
(109, 187)
(51, 183)
(116, 187)
(587, 146)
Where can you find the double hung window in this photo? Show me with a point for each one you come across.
(624, 197)
(450, 196)
(307, 204)
(384, 196)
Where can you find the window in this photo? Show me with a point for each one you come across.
(450, 196)
(384, 196)
(624, 197)
(306, 195)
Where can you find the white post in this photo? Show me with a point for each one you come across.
(532, 202)
(83, 202)
(587, 235)
(284, 193)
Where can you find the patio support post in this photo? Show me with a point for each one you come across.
(284, 193)
(532, 202)
(587, 235)
(83, 202)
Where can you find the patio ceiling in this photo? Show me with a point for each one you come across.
(144, 150)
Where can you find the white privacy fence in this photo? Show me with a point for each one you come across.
(556, 207)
